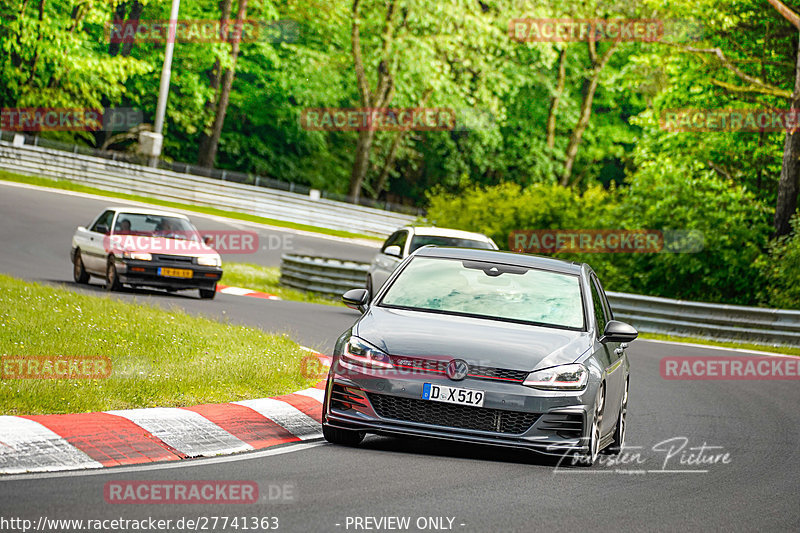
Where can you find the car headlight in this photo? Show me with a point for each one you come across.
(209, 260)
(359, 352)
(139, 256)
(565, 377)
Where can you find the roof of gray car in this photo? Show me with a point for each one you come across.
(511, 258)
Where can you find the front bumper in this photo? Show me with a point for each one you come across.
(513, 415)
(146, 274)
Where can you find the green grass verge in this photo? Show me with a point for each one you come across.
(265, 279)
(788, 350)
(159, 358)
(70, 186)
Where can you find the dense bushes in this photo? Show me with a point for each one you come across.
(662, 195)
(781, 271)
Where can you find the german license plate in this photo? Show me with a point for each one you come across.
(457, 395)
(175, 272)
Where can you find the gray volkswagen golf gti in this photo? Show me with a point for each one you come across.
(485, 347)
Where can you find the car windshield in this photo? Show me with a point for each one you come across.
(488, 290)
(418, 241)
(155, 226)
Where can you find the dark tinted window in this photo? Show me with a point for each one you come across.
(398, 238)
(104, 220)
(599, 311)
(419, 241)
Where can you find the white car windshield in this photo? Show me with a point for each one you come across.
(155, 226)
(418, 241)
(488, 290)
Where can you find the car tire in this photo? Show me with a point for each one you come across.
(79, 271)
(208, 294)
(619, 433)
(344, 437)
(112, 280)
(594, 432)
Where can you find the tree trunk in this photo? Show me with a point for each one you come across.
(556, 99)
(214, 79)
(390, 158)
(361, 163)
(136, 12)
(787, 185)
(586, 111)
(384, 92)
(207, 158)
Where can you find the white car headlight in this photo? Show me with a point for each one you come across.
(209, 260)
(564, 377)
(139, 256)
(360, 352)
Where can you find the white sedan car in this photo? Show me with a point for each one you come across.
(407, 239)
(145, 248)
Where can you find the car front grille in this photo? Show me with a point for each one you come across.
(417, 364)
(450, 415)
(173, 258)
(344, 398)
(486, 372)
(565, 425)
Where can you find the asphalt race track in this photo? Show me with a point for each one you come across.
(747, 477)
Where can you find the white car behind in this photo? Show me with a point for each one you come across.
(407, 239)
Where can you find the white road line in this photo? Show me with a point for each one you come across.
(188, 432)
(294, 420)
(28, 446)
(190, 463)
(723, 348)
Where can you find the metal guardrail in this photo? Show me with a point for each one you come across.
(648, 314)
(21, 139)
(713, 321)
(121, 177)
(318, 274)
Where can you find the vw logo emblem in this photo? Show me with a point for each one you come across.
(457, 369)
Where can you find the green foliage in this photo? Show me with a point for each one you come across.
(492, 176)
(781, 270)
(497, 211)
(663, 195)
(680, 195)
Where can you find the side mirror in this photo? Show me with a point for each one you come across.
(81, 228)
(102, 228)
(394, 251)
(617, 331)
(356, 299)
(208, 240)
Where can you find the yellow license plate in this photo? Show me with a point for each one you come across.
(175, 272)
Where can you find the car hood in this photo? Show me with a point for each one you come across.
(478, 341)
